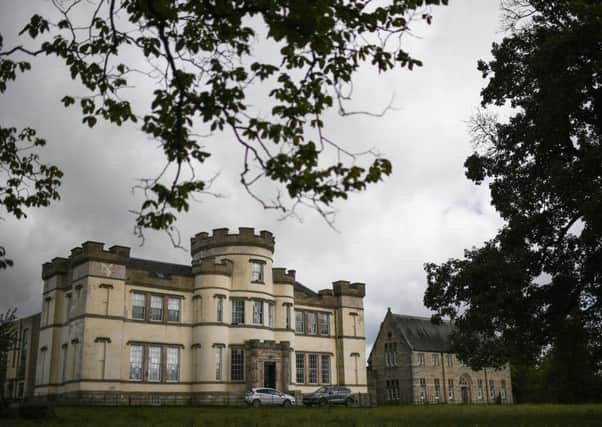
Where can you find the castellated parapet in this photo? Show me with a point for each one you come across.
(210, 265)
(246, 237)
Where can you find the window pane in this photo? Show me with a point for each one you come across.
(287, 316)
(156, 308)
(325, 369)
(220, 309)
(258, 312)
(312, 361)
(257, 272)
(154, 364)
(238, 311)
(218, 364)
(136, 352)
(173, 364)
(138, 306)
(237, 365)
(300, 367)
(271, 315)
(324, 324)
(299, 322)
(173, 309)
(312, 326)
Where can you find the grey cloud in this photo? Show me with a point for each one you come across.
(427, 211)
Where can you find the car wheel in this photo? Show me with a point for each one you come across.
(323, 402)
(286, 403)
(349, 402)
(256, 403)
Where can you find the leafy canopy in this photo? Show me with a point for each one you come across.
(203, 67)
(537, 285)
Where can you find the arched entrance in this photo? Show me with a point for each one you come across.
(465, 383)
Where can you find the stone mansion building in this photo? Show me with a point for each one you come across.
(123, 330)
(411, 362)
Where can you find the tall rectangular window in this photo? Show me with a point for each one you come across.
(450, 360)
(218, 364)
(69, 303)
(300, 367)
(450, 389)
(287, 316)
(480, 389)
(420, 359)
(173, 309)
(437, 389)
(156, 308)
(503, 391)
(136, 356)
(238, 311)
(65, 361)
(154, 364)
(312, 366)
(237, 367)
(138, 306)
(491, 389)
(422, 389)
(435, 359)
(220, 309)
(324, 324)
(299, 322)
(271, 314)
(258, 312)
(325, 369)
(257, 272)
(312, 324)
(173, 364)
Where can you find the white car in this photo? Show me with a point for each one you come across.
(268, 396)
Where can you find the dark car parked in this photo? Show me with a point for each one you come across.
(329, 395)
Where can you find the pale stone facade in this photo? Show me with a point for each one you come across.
(122, 330)
(410, 362)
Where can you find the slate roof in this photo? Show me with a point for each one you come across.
(162, 270)
(299, 287)
(423, 335)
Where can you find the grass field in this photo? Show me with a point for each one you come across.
(518, 415)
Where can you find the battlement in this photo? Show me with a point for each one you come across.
(209, 265)
(220, 237)
(88, 251)
(281, 275)
(343, 287)
(55, 267)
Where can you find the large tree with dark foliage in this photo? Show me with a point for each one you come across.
(533, 294)
(203, 60)
(7, 343)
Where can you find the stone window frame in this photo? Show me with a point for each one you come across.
(437, 389)
(436, 359)
(305, 316)
(450, 360)
(450, 389)
(167, 364)
(271, 307)
(288, 307)
(391, 355)
(219, 307)
(242, 367)
(169, 311)
(144, 303)
(68, 305)
(257, 277)
(421, 359)
(321, 323)
(423, 389)
(218, 352)
(258, 303)
(503, 389)
(492, 389)
(146, 345)
(242, 314)
(480, 389)
(164, 306)
(304, 355)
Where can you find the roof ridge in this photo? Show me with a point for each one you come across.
(160, 262)
(410, 316)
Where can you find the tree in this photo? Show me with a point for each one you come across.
(534, 291)
(201, 61)
(7, 342)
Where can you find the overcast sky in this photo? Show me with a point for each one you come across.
(427, 211)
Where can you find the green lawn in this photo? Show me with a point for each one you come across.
(518, 415)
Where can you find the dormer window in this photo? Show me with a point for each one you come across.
(257, 271)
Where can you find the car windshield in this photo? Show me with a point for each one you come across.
(321, 390)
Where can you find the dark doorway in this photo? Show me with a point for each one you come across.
(465, 396)
(269, 374)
